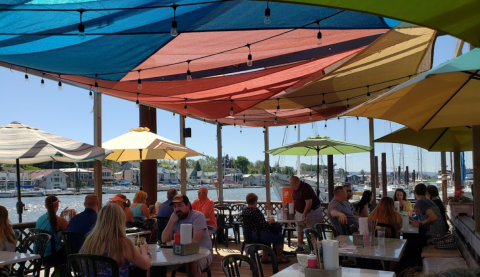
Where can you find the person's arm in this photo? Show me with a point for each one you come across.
(62, 224)
(140, 260)
(208, 209)
(167, 234)
(144, 210)
(341, 216)
(128, 215)
(431, 217)
(364, 212)
(200, 225)
(308, 205)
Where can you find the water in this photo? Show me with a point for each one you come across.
(36, 205)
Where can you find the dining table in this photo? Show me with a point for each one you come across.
(8, 258)
(391, 250)
(295, 271)
(162, 257)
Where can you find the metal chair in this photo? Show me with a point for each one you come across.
(162, 222)
(231, 267)
(213, 236)
(86, 265)
(312, 237)
(47, 265)
(324, 229)
(248, 223)
(237, 222)
(41, 242)
(72, 241)
(252, 251)
(225, 222)
(139, 218)
(393, 232)
(150, 225)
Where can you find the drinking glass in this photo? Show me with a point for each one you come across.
(381, 235)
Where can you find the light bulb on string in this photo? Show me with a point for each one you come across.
(348, 104)
(240, 130)
(189, 74)
(275, 120)
(264, 127)
(267, 19)
(249, 58)
(325, 128)
(185, 107)
(244, 122)
(216, 122)
(42, 82)
(204, 121)
(96, 83)
(139, 81)
(138, 102)
(90, 93)
(59, 83)
(338, 118)
(310, 116)
(81, 27)
(319, 34)
(173, 114)
(26, 75)
(234, 124)
(324, 104)
(174, 31)
(295, 127)
(357, 118)
(231, 107)
(278, 104)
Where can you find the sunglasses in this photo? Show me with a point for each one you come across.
(349, 190)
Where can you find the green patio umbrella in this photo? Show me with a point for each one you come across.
(319, 146)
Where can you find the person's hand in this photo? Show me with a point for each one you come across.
(271, 221)
(144, 249)
(304, 216)
(415, 223)
(174, 217)
(342, 218)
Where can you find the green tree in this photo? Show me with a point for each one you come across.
(242, 163)
(340, 171)
(198, 167)
(262, 170)
(362, 172)
(289, 170)
(253, 171)
(190, 163)
(30, 167)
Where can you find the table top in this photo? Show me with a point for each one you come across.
(294, 271)
(410, 230)
(392, 250)
(138, 233)
(282, 221)
(164, 256)
(7, 257)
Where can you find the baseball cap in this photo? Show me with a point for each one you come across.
(118, 198)
(180, 198)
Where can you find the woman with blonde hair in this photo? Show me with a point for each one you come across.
(139, 207)
(124, 203)
(385, 213)
(108, 238)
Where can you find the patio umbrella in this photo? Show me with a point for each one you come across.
(449, 139)
(319, 146)
(23, 144)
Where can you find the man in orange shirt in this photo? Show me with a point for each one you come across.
(205, 205)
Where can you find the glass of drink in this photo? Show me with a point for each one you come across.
(381, 235)
(140, 241)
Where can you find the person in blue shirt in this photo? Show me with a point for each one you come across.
(165, 209)
(83, 222)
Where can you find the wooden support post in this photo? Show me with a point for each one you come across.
(407, 181)
(373, 177)
(443, 165)
(476, 176)
(377, 181)
(267, 170)
(384, 174)
(183, 162)
(457, 170)
(148, 172)
(219, 163)
(97, 141)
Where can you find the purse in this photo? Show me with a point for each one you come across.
(446, 242)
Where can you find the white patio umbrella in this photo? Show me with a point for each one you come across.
(23, 144)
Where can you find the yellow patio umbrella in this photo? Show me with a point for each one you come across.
(454, 139)
(141, 144)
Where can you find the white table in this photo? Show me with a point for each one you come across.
(294, 271)
(160, 258)
(410, 230)
(138, 233)
(392, 250)
(8, 258)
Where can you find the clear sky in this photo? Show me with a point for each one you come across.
(68, 113)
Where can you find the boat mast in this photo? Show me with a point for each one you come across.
(345, 156)
(393, 160)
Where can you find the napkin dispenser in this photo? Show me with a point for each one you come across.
(315, 272)
(186, 249)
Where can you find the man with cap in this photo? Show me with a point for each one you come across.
(183, 213)
(205, 205)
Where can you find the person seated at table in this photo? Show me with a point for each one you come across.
(205, 205)
(363, 206)
(385, 213)
(341, 216)
(405, 205)
(52, 223)
(8, 240)
(124, 203)
(416, 212)
(139, 207)
(183, 213)
(83, 222)
(432, 194)
(262, 226)
(108, 238)
(165, 209)
(431, 218)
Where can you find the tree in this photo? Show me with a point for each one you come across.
(362, 172)
(262, 170)
(289, 170)
(253, 171)
(190, 163)
(198, 167)
(242, 163)
(30, 167)
(341, 171)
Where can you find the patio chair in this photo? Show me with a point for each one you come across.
(86, 265)
(252, 251)
(213, 236)
(139, 218)
(150, 225)
(324, 229)
(312, 237)
(162, 222)
(72, 241)
(248, 223)
(225, 222)
(231, 266)
(41, 242)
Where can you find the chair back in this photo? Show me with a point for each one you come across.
(36, 231)
(252, 251)
(231, 267)
(224, 215)
(213, 235)
(324, 228)
(72, 241)
(149, 225)
(162, 222)
(312, 237)
(139, 218)
(393, 232)
(248, 223)
(86, 265)
(41, 242)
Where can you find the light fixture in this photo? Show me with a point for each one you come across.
(357, 118)
(173, 114)
(138, 102)
(189, 74)
(26, 75)
(338, 118)
(325, 128)
(216, 122)
(139, 81)
(310, 116)
(81, 27)
(59, 83)
(204, 121)
(368, 92)
(267, 19)
(231, 107)
(240, 130)
(295, 127)
(249, 58)
(174, 31)
(348, 104)
(324, 104)
(234, 124)
(244, 123)
(185, 107)
(278, 104)
(319, 34)
(96, 83)
(275, 120)
(264, 127)
(42, 82)
(90, 93)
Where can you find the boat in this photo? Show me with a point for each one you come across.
(7, 193)
(29, 192)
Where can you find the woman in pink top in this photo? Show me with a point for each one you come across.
(205, 205)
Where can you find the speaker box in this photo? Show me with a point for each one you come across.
(187, 132)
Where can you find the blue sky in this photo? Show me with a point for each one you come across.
(68, 113)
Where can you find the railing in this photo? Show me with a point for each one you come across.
(24, 234)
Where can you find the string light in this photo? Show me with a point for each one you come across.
(357, 118)
(244, 123)
(368, 92)
(26, 75)
(338, 118)
(189, 74)
(173, 114)
(81, 27)
(275, 120)
(42, 82)
(240, 130)
(234, 124)
(295, 127)
(185, 107)
(96, 83)
(278, 104)
(267, 19)
(138, 102)
(174, 31)
(139, 81)
(348, 104)
(310, 117)
(324, 105)
(59, 83)
(264, 127)
(319, 34)
(325, 128)
(231, 107)
(90, 93)
(204, 121)
(249, 58)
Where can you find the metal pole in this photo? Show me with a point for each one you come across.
(183, 162)
(384, 174)
(476, 176)
(330, 177)
(219, 163)
(267, 169)
(372, 161)
(299, 169)
(20, 204)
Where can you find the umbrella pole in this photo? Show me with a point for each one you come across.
(141, 170)
(318, 172)
(20, 205)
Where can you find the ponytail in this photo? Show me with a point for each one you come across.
(127, 204)
(50, 201)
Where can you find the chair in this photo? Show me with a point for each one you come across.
(231, 267)
(72, 241)
(287, 231)
(139, 218)
(225, 222)
(86, 265)
(41, 242)
(393, 232)
(248, 223)
(47, 265)
(213, 236)
(324, 228)
(252, 251)
(237, 223)
(312, 237)
(162, 222)
(149, 225)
